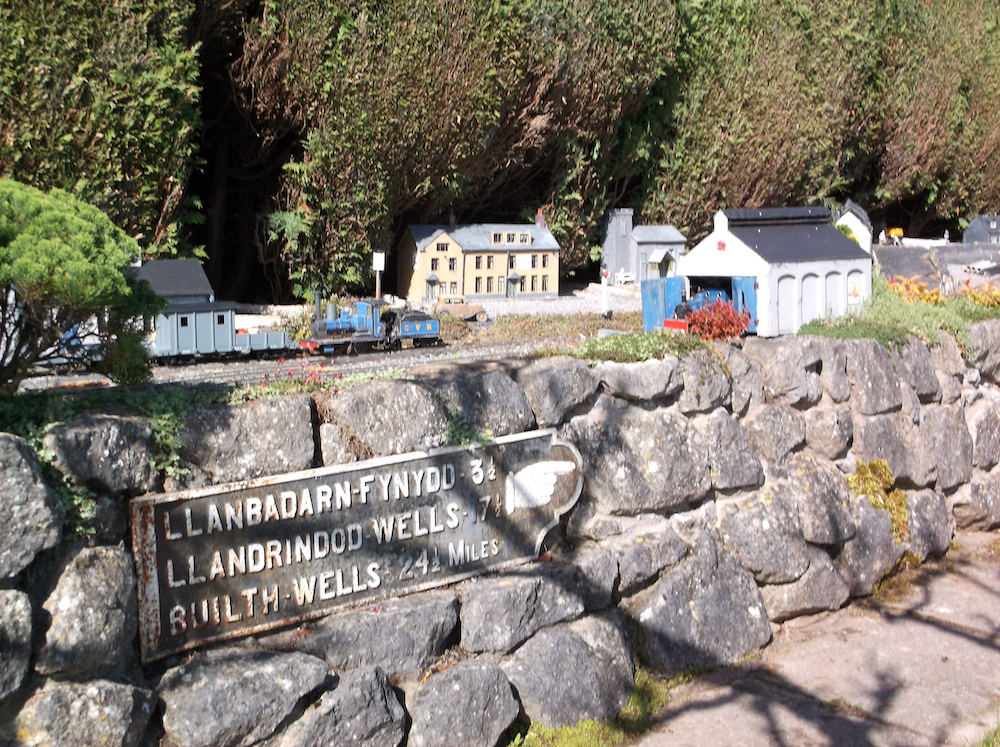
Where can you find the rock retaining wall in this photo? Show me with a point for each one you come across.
(714, 506)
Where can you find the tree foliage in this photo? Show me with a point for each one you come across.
(100, 98)
(365, 115)
(411, 108)
(65, 268)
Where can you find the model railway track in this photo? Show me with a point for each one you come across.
(252, 372)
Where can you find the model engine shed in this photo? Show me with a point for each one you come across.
(786, 266)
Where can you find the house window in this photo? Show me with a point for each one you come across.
(220, 319)
(453, 264)
(522, 285)
(534, 283)
(479, 285)
(510, 238)
(993, 225)
(442, 247)
(500, 286)
(545, 260)
(545, 282)
(184, 321)
(534, 261)
(453, 288)
(434, 264)
(479, 263)
(498, 238)
(525, 238)
(510, 261)
(489, 262)
(489, 285)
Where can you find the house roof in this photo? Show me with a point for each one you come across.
(757, 216)
(657, 235)
(657, 255)
(800, 234)
(798, 243)
(979, 229)
(478, 237)
(850, 206)
(173, 278)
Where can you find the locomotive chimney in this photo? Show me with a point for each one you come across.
(539, 219)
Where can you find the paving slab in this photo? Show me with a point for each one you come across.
(923, 669)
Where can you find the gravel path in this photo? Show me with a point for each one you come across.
(578, 301)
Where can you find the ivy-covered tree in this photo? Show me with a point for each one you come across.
(100, 98)
(66, 279)
(409, 109)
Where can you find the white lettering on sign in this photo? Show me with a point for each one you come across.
(217, 563)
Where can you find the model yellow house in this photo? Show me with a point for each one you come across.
(480, 260)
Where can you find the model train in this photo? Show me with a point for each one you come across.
(195, 325)
(185, 331)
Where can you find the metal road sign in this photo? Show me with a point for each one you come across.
(229, 560)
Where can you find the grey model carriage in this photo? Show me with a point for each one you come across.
(194, 323)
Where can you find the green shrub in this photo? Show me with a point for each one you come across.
(64, 266)
(718, 321)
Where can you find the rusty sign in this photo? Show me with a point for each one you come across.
(230, 560)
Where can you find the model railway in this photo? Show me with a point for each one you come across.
(185, 332)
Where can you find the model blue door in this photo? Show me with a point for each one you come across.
(659, 298)
(745, 299)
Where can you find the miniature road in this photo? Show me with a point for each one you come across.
(922, 671)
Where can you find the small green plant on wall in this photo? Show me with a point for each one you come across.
(875, 481)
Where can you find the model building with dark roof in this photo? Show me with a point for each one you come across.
(787, 266)
(637, 253)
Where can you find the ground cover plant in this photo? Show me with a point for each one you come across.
(649, 697)
(639, 346)
(901, 308)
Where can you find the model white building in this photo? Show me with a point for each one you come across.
(787, 266)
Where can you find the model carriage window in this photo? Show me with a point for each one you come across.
(220, 319)
(184, 321)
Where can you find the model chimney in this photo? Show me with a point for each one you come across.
(539, 219)
(451, 219)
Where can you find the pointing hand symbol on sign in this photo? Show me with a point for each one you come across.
(535, 485)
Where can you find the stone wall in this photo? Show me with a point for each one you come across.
(714, 506)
